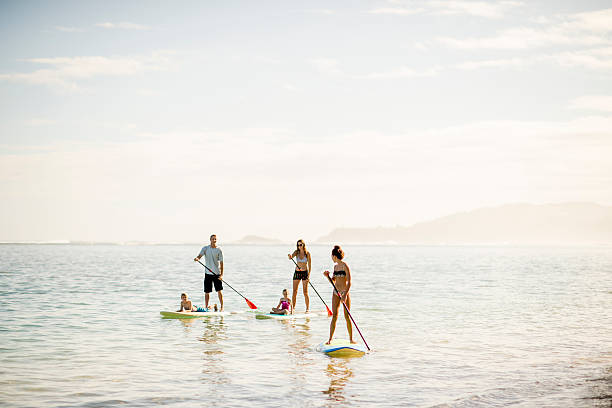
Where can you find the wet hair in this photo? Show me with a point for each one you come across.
(184, 294)
(213, 235)
(338, 252)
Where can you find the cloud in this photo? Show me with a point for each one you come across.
(121, 188)
(66, 71)
(596, 58)
(327, 12)
(494, 63)
(399, 11)
(326, 65)
(485, 9)
(291, 88)
(41, 122)
(594, 21)
(593, 58)
(475, 8)
(402, 72)
(330, 66)
(69, 29)
(601, 103)
(123, 26)
(525, 38)
(580, 29)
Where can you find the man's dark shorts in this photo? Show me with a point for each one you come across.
(209, 280)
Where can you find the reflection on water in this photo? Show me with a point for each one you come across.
(213, 368)
(299, 349)
(299, 353)
(214, 330)
(187, 324)
(339, 373)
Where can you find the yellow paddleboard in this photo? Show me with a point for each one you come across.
(342, 348)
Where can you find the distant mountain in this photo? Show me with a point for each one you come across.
(257, 240)
(566, 223)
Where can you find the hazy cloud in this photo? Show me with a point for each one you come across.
(580, 29)
(596, 58)
(123, 25)
(486, 9)
(69, 29)
(400, 11)
(318, 11)
(601, 103)
(402, 72)
(66, 71)
(326, 65)
(290, 88)
(494, 63)
(41, 122)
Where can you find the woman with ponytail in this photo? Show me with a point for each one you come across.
(342, 280)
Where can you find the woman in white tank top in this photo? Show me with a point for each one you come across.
(302, 272)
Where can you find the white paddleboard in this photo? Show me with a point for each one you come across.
(288, 316)
(342, 348)
(191, 315)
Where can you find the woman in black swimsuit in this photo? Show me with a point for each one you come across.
(302, 272)
(342, 280)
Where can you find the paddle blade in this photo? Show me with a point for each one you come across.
(251, 304)
(329, 312)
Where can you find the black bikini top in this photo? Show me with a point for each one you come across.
(339, 273)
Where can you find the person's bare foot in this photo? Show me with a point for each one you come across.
(353, 341)
(328, 341)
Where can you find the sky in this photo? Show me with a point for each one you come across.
(165, 121)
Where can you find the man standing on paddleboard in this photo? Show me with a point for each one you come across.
(214, 273)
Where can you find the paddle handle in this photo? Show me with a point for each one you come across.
(222, 279)
(296, 265)
(347, 310)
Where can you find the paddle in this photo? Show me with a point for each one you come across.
(347, 309)
(329, 312)
(251, 304)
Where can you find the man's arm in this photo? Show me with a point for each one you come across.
(200, 255)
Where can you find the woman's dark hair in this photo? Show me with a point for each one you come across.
(338, 252)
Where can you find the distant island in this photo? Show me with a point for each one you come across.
(257, 240)
(565, 224)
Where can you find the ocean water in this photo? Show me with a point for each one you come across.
(466, 326)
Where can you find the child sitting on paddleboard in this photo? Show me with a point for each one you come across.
(284, 305)
(187, 306)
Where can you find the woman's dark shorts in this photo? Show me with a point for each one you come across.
(300, 275)
(208, 283)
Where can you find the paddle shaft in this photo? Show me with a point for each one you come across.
(313, 288)
(348, 311)
(223, 280)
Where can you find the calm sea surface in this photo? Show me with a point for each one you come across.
(449, 327)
